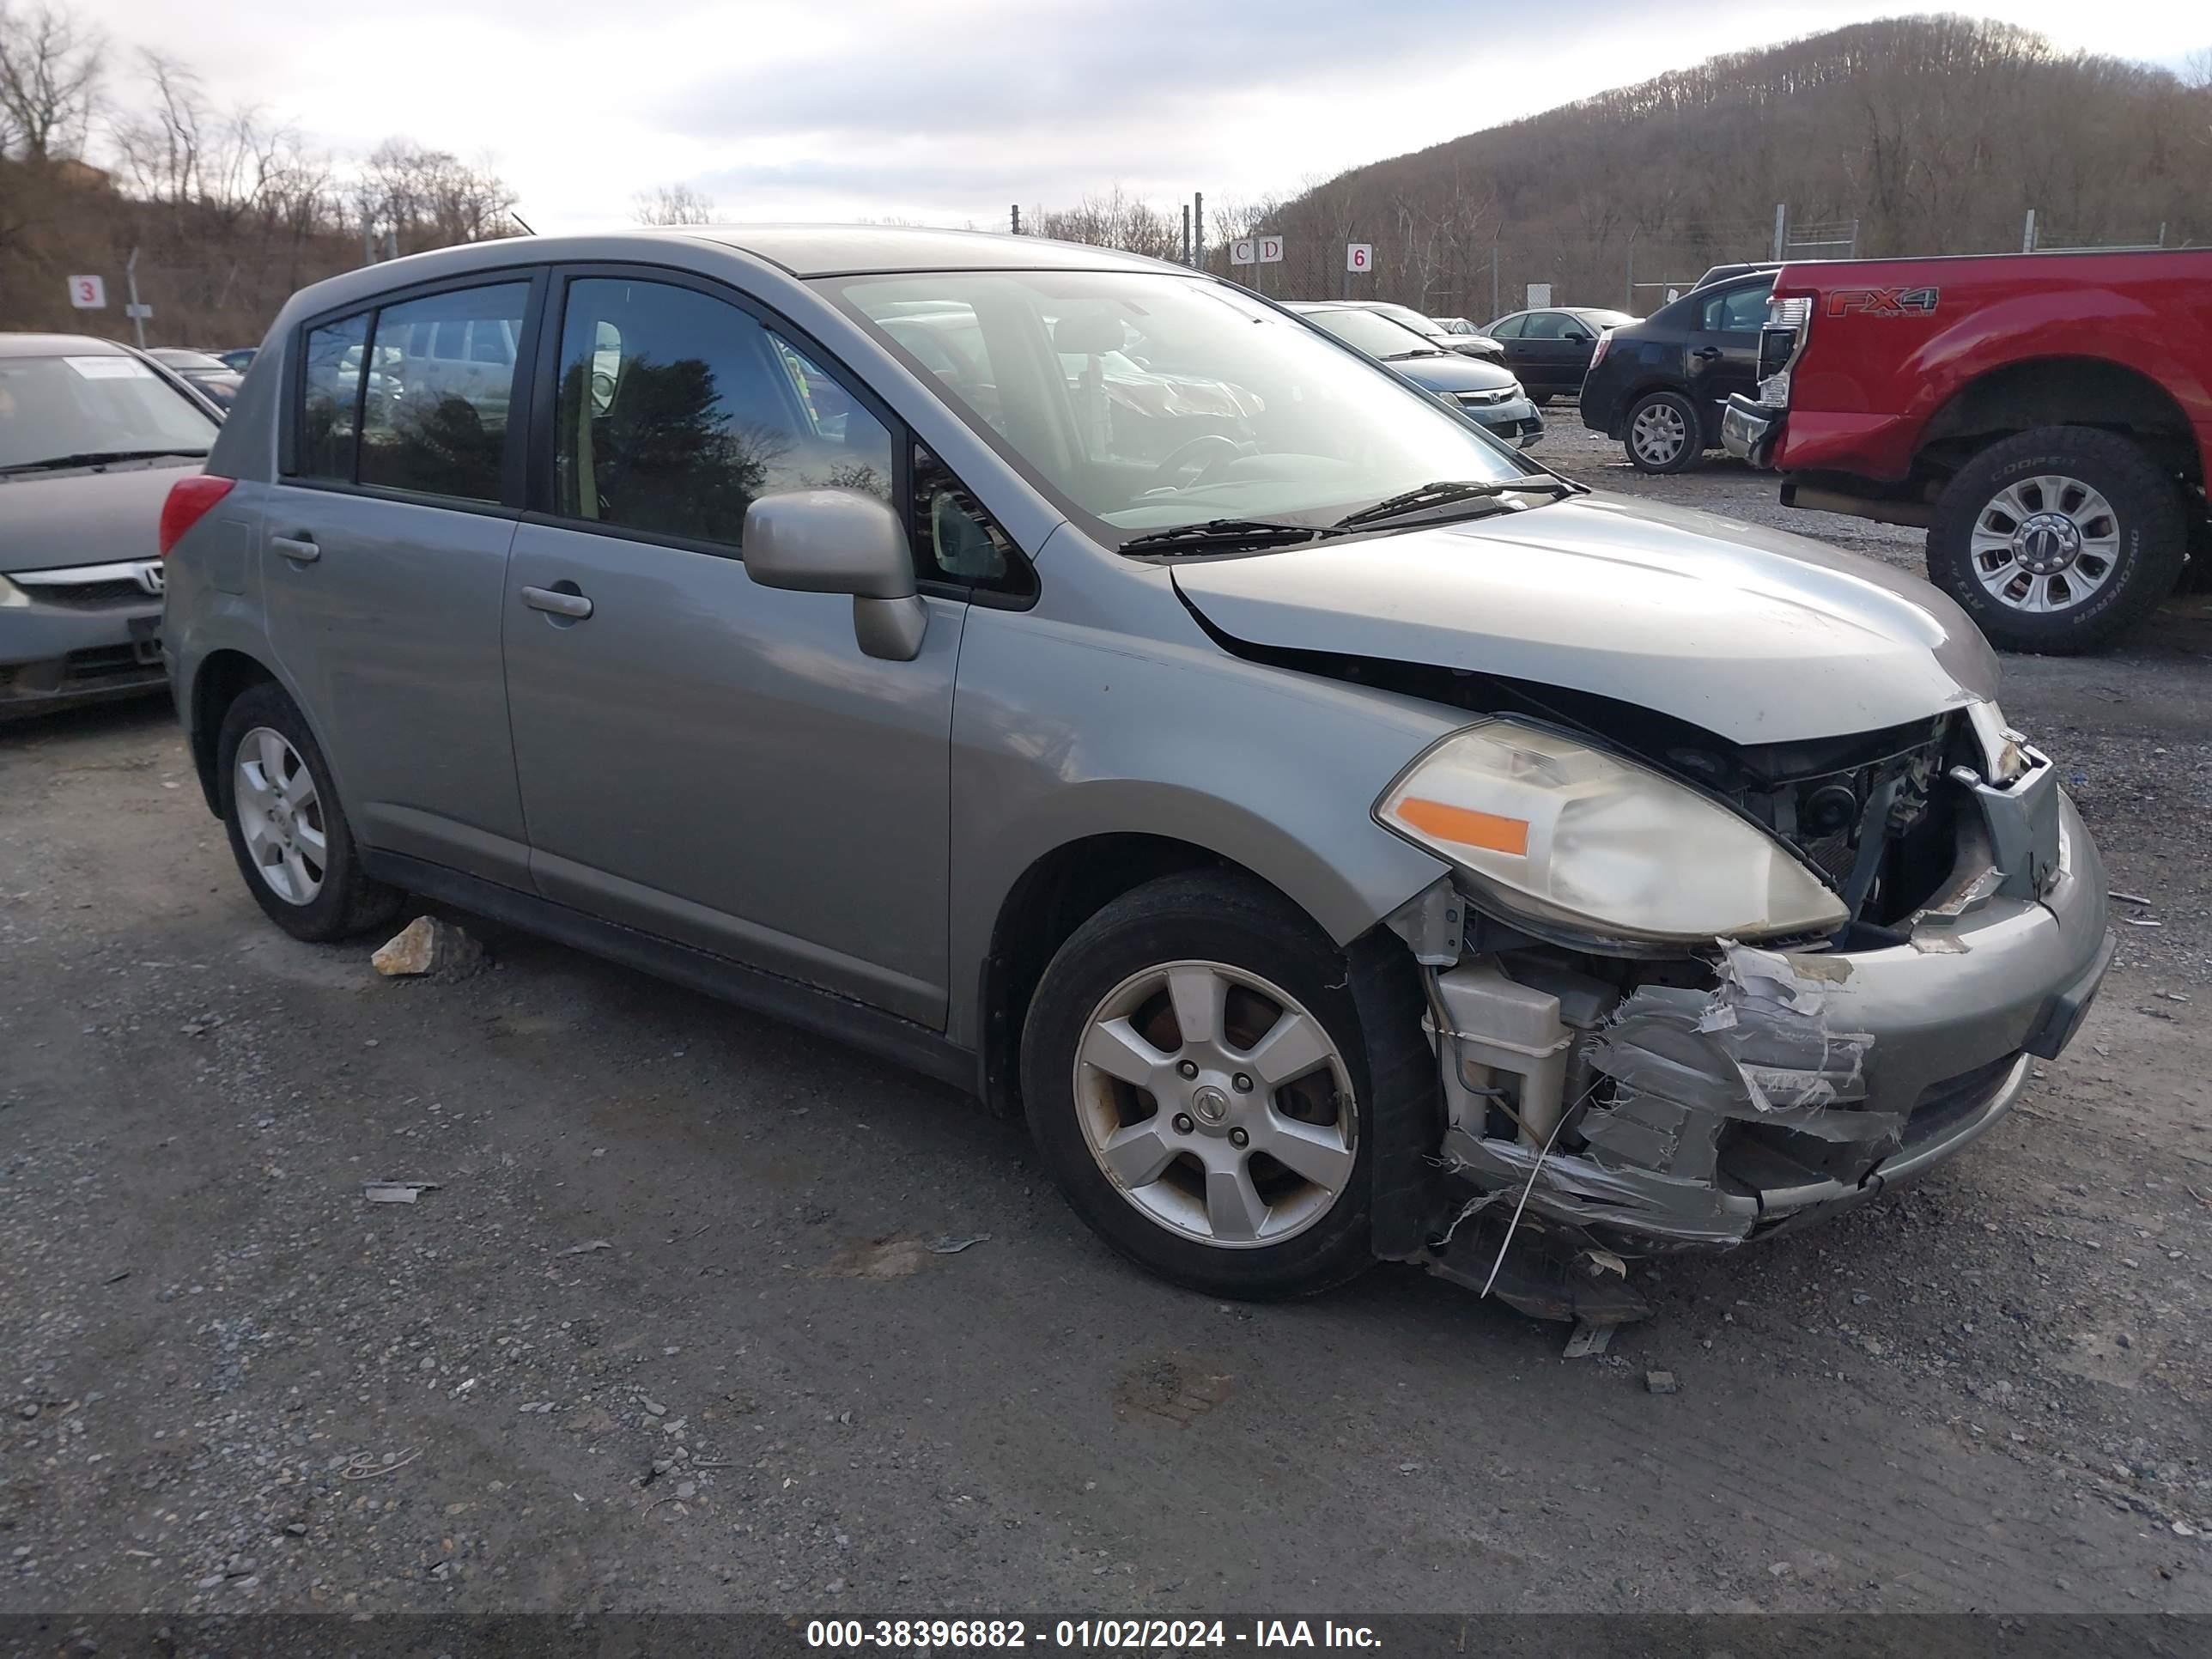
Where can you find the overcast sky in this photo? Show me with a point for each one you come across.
(946, 111)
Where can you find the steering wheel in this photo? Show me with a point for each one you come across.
(1171, 472)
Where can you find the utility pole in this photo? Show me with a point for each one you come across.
(1781, 229)
(1495, 309)
(1198, 229)
(1016, 218)
(1186, 232)
(137, 311)
(1628, 302)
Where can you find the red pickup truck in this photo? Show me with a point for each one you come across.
(2047, 417)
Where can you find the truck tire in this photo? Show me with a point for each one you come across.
(1663, 434)
(2058, 540)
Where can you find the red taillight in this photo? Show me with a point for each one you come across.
(189, 499)
(1598, 351)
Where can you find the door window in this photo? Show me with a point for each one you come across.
(677, 411)
(1545, 326)
(437, 422)
(1509, 329)
(331, 392)
(1739, 311)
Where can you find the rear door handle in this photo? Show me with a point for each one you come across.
(1709, 353)
(561, 604)
(298, 549)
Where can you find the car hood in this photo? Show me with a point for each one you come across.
(1452, 372)
(84, 517)
(1759, 635)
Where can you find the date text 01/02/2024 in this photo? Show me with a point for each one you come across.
(1081, 1635)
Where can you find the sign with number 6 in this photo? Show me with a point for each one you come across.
(1359, 257)
(88, 292)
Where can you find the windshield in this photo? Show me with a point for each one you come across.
(55, 406)
(1141, 402)
(1372, 332)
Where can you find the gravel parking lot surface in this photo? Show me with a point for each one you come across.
(687, 1316)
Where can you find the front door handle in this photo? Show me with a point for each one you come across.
(298, 549)
(1708, 354)
(561, 604)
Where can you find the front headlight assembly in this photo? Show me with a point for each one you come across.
(1568, 837)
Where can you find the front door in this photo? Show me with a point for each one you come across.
(385, 544)
(1722, 349)
(1545, 362)
(705, 759)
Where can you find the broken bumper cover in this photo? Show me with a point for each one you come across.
(1808, 1083)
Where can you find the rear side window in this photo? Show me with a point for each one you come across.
(677, 411)
(331, 384)
(1740, 311)
(437, 423)
(1545, 326)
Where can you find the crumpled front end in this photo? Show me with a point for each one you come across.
(1633, 1107)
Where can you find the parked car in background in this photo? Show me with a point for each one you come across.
(1455, 325)
(1723, 273)
(1549, 351)
(1470, 344)
(1659, 388)
(206, 373)
(238, 358)
(91, 437)
(1274, 825)
(1486, 392)
(2045, 416)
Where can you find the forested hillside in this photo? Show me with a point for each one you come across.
(1934, 135)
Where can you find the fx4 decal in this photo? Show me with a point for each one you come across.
(1883, 302)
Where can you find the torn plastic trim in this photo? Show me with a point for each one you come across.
(1683, 1065)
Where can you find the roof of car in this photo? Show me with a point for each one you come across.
(843, 250)
(55, 345)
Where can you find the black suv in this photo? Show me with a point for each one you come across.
(1660, 386)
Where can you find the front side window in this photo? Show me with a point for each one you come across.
(329, 386)
(436, 423)
(1508, 329)
(73, 405)
(1140, 401)
(677, 411)
(1545, 326)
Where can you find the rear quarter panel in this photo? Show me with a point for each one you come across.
(1872, 375)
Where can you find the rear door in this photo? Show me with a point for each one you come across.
(1721, 353)
(701, 757)
(385, 544)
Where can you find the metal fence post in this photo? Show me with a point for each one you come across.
(131, 282)
(1198, 229)
(1781, 228)
(2027, 233)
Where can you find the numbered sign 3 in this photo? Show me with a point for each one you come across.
(88, 292)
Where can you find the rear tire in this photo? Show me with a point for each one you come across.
(1663, 433)
(288, 832)
(1114, 1001)
(2058, 540)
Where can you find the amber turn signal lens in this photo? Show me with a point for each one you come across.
(1465, 826)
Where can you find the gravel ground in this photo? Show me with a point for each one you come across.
(668, 1332)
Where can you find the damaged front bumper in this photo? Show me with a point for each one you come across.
(1788, 1085)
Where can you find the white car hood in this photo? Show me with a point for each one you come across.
(1759, 635)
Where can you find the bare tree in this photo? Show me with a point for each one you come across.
(672, 204)
(424, 198)
(50, 78)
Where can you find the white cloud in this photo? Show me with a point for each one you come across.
(949, 112)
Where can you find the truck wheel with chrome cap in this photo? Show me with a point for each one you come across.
(2058, 540)
(1194, 1073)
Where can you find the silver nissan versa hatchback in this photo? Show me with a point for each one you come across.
(1084, 681)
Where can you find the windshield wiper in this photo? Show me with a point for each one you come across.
(1425, 351)
(97, 458)
(1217, 533)
(1445, 492)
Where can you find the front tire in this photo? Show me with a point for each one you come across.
(288, 832)
(1194, 1073)
(2058, 540)
(1663, 435)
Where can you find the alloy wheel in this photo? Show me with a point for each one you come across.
(2044, 544)
(1217, 1105)
(279, 814)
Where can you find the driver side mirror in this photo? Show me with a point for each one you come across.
(840, 541)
